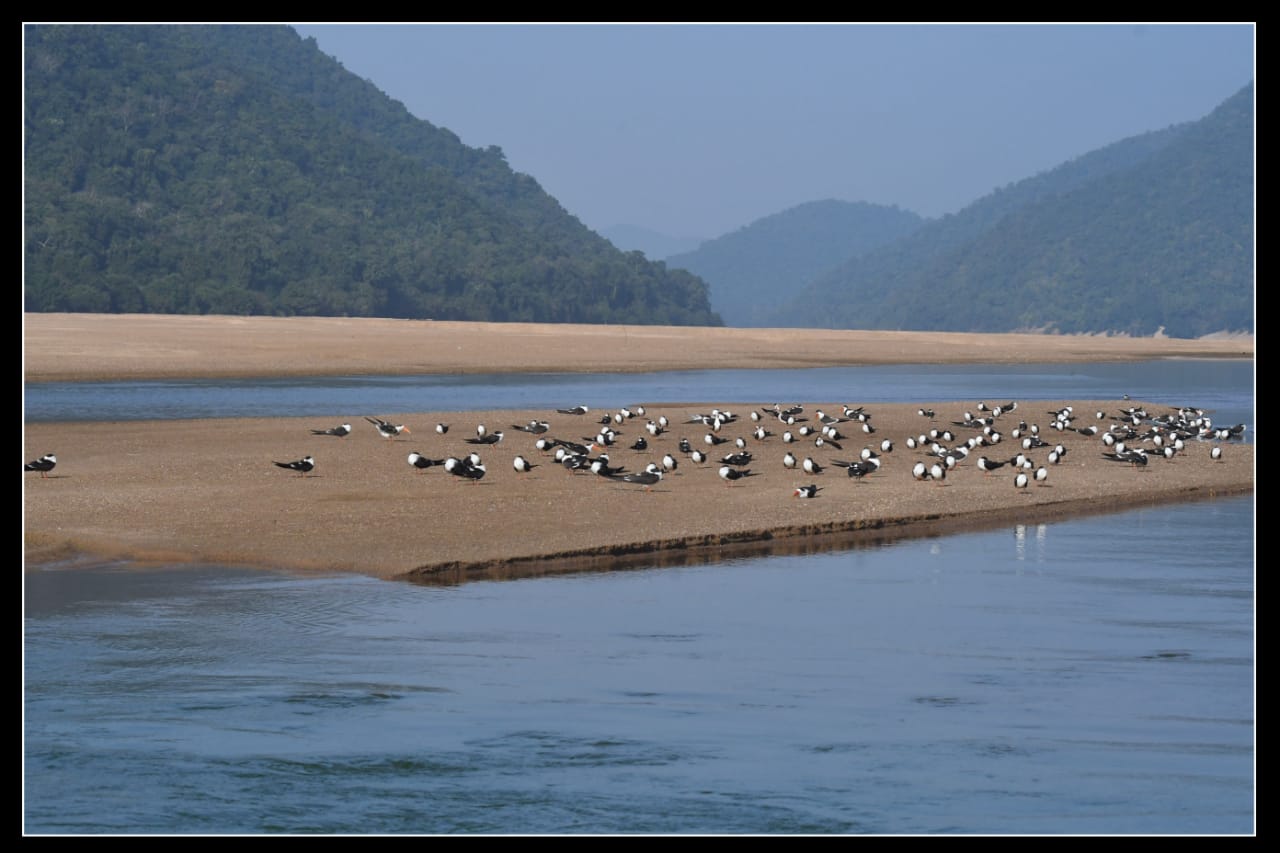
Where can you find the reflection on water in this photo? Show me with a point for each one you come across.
(1039, 532)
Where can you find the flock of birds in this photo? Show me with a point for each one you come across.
(1131, 436)
(730, 443)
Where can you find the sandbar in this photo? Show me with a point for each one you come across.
(207, 492)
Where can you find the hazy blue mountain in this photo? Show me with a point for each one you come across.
(761, 266)
(1154, 232)
(655, 245)
(238, 169)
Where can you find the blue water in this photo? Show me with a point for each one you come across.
(1091, 676)
(1210, 384)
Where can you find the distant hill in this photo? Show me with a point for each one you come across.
(655, 245)
(238, 169)
(761, 266)
(1151, 233)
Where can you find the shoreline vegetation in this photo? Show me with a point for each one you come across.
(206, 491)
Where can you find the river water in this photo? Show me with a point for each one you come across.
(1090, 676)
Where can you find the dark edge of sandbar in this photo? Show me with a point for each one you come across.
(795, 540)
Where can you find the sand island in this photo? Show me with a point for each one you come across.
(206, 491)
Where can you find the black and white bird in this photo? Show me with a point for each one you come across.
(340, 430)
(697, 457)
(809, 491)
(669, 463)
(1135, 458)
(1020, 480)
(44, 464)
(486, 438)
(303, 466)
(574, 447)
(573, 462)
(789, 461)
(646, 478)
(740, 459)
(810, 467)
(386, 429)
(857, 470)
(534, 427)
(575, 410)
(422, 463)
(986, 465)
(1042, 474)
(467, 468)
(442, 428)
(731, 475)
(602, 467)
(1215, 454)
(522, 465)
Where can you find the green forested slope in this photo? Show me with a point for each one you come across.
(237, 169)
(1153, 232)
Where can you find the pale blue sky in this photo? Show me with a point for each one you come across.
(697, 130)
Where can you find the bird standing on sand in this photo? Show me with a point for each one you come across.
(522, 465)
(386, 429)
(731, 475)
(303, 466)
(44, 465)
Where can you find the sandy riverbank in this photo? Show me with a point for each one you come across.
(87, 347)
(206, 491)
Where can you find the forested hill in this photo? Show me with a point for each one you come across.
(760, 267)
(238, 169)
(1152, 232)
